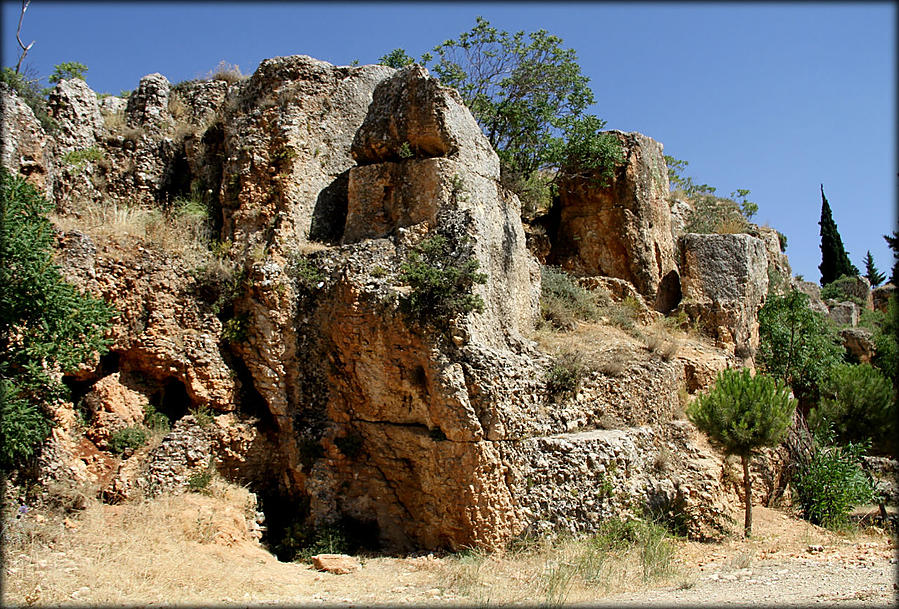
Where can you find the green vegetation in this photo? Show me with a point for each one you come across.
(66, 71)
(828, 480)
(442, 276)
(834, 258)
(741, 414)
(30, 91)
(77, 158)
(203, 415)
(566, 374)
(397, 58)
(128, 438)
(893, 242)
(711, 213)
(562, 301)
(156, 421)
(842, 288)
(873, 275)
(46, 325)
(198, 482)
(797, 345)
(530, 98)
(857, 403)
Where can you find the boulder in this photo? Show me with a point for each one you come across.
(338, 564)
(113, 407)
(813, 291)
(779, 271)
(26, 148)
(148, 105)
(75, 108)
(724, 279)
(858, 343)
(413, 116)
(623, 229)
(880, 297)
(843, 313)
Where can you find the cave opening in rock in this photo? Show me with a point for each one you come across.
(171, 399)
(669, 293)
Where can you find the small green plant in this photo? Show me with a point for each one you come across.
(405, 151)
(562, 301)
(203, 415)
(198, 482)
(442, 278)
(30, 92)
(301, 542)
(397, 58)
(235, 329)
(67, 70)
(156, 421)
(77, 158)
(304, 271)
(566, 374)
(128, 438)
(842, 289)
(282, 158)
(741, 414)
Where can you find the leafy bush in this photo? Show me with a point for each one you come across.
(67, 70)
(713, 214)
(797, 345)
(562, 301)
(741, 414)
(77, 158)
(841, 289)
(46, 325)
(157, 422)
(128, 438)
(857, 402)
(397, 58)
(198, 482)
(442, 278)
(301, 542)
(829, 481)
(566, 374)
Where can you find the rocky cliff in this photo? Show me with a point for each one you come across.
(288, 313)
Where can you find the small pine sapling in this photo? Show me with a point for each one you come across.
(741, 414)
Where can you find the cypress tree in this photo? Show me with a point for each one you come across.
(875, 277)
(834, 260)
(893, 242)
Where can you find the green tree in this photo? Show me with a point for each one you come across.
(893, 242)
(397, 58)
(834, 259)
(797, 345)
(530, 98)
(875, 277)
(46, 326)
(741, 414)
(67, 70)
(857, 402)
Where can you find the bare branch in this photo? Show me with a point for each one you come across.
(25, 49)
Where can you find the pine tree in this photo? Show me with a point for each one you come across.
(875, 277)
(834, 260)
(741, 414)
(893, 242)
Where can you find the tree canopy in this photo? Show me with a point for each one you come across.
(834, 260)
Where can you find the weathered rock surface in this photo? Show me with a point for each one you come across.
(813, 291)
(622, 230)
(74, 107)
(779, 271)
(338, 564)
(26, 149)
(843, 313)
(113, 407)
(880, 297)
(326, 390)
(858, 343)
(724, 280)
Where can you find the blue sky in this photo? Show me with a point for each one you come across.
(776, 98)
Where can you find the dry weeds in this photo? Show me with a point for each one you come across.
(183, 235)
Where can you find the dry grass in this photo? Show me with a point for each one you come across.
(660, 340)
(185, 235)
(228, 72)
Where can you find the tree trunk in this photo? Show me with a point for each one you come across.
(747, 487)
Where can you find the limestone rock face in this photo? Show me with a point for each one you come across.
(858, 342)
(843, 313)
(148, 105)
(813, 291)
(880, 297)
(725, 281)
(113, 407)
(622, 230)
(286, 145)
(163, 331)
(779, 271)
(74, 106)
(26, 148)
(413, 116)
